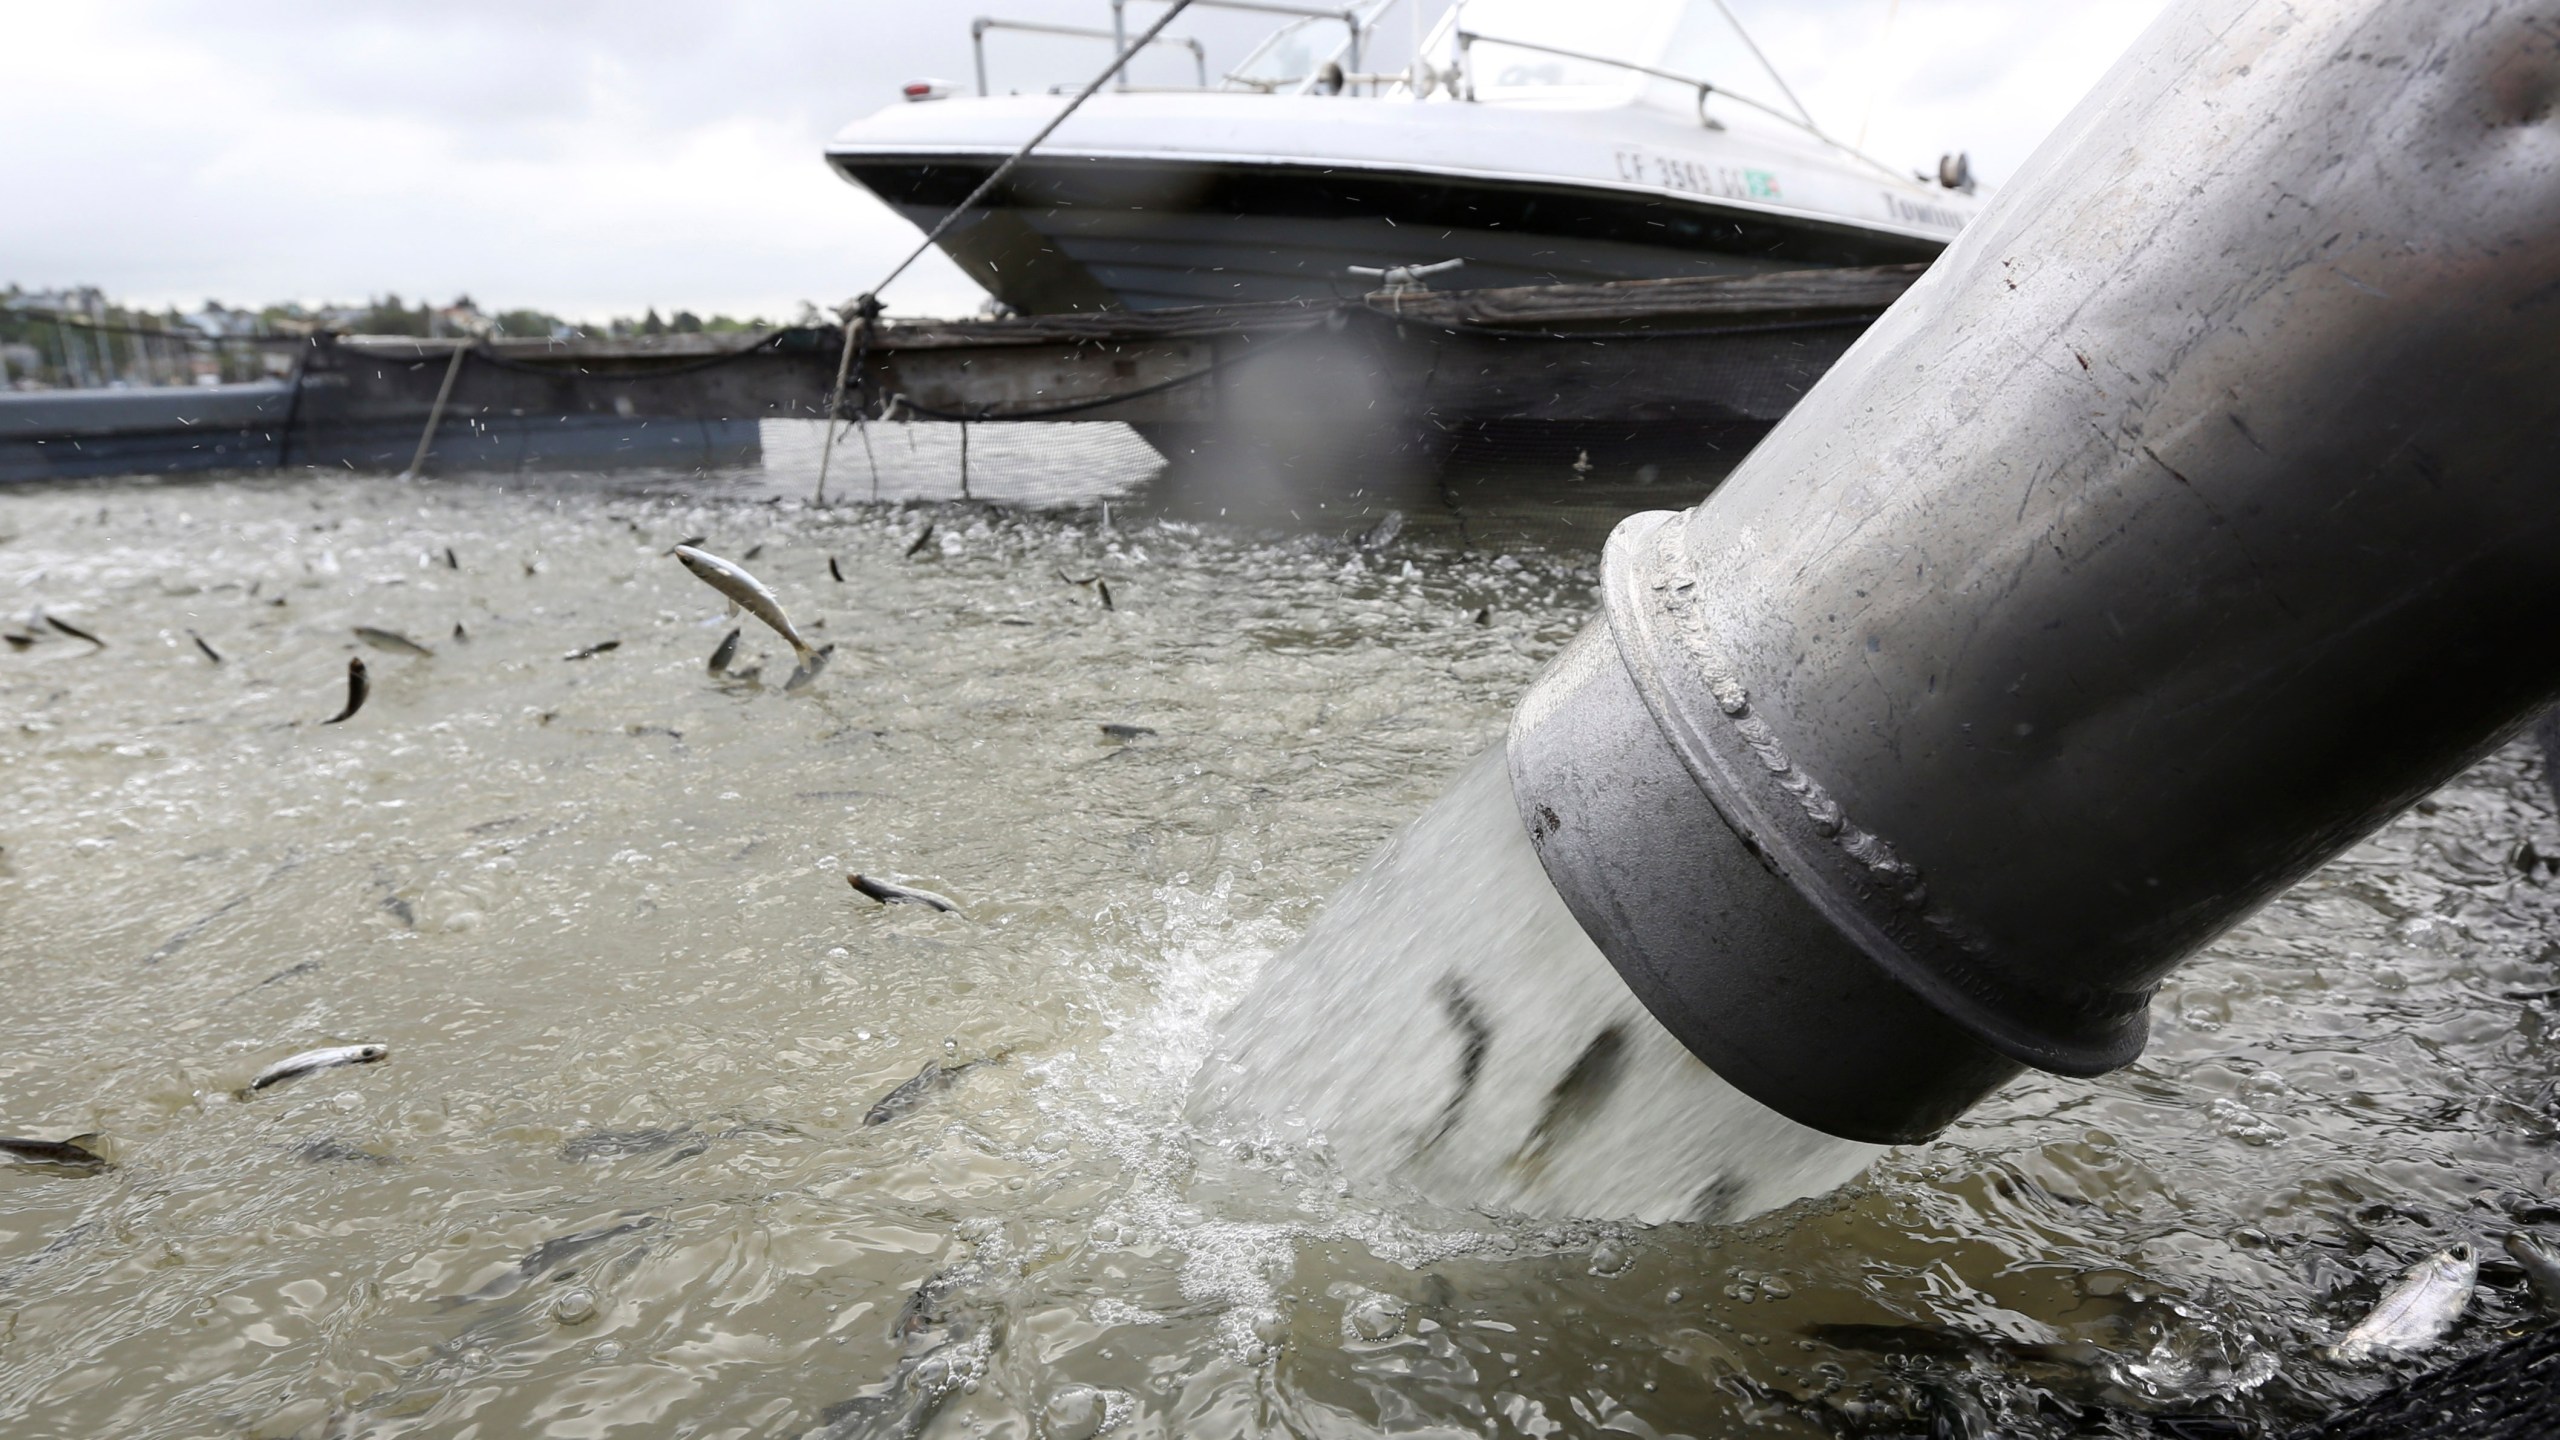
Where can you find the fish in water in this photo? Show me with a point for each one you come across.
(809, 669)
(2416, 1312)
(209, 652)
(391, 641)
(76, 1153)
(919, 542)
(934, 1078)
(589, 652)
(329, 1149)
(614, 1144)
(834, 569)
(890, 893)
(1117, 731)
(745, 592)
(548, 1256)
(2541, 1267)
(459, 633)
(752, 552)
(727, 652)
(945, 1342)
(1484, 615)
(18, 641)
(358, 687)
(328, 1058)
(74, 631)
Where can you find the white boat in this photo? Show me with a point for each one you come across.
(1537, 142)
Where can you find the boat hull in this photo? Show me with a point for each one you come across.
(1094, 232)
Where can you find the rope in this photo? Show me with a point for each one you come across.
(866, 307)
(857, 347)
(997, 176)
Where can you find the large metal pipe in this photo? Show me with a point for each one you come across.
(2197, 512)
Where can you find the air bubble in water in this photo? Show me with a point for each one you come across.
(1375, 1317)
(1074, 1412)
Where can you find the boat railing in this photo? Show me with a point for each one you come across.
(1467, 40)
(979, 27)
(1354, 19)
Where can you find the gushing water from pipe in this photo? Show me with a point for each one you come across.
(1445, 1022)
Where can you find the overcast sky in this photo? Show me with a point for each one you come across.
(597, 157)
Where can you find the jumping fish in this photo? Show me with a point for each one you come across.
(589, 652)
(2541, 1267)
(18, 641)
(450, 563)
(834, 569)
(391, 641)
(889, 893)
(2415, 1313)
(1103, 588)
(74, 631)
(745, 592)
(358, 687)
(209, 652)
(76, 1153)
(919, 542)
(459, 633)
(1384, 533)
(322, 1059)
(727, 652)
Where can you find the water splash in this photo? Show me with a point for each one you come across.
(1447, 1023)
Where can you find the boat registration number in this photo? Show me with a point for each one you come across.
(1671, 172)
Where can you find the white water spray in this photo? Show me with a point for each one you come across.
(1445, 1022)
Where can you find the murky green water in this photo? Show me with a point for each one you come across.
(615, 1177)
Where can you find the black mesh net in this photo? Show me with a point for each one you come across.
(2510, 1393)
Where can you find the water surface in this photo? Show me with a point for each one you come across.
(615, 1177)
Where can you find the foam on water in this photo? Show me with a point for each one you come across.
(1447, 1023)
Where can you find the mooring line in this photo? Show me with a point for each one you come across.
(866, 307)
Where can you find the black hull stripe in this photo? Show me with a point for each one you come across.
(1272, 191)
